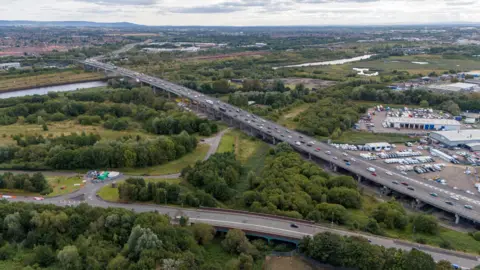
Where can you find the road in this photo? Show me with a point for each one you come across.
(251, 222)
(422, 191)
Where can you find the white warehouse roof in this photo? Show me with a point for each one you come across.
(460, 135)
(422, 121)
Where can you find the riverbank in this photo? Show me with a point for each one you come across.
(47, 80)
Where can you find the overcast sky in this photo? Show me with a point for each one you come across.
(245, 12)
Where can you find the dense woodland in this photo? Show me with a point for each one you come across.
(83, 237)
(358, 253)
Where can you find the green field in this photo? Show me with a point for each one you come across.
(436, 63)
(64, 185)
(287, 119)
(243, 145)
(363, 137)
(56, 129)
(171, 167)
(108, 193)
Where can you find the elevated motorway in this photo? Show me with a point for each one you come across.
(267, 130)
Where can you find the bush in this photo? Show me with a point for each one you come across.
(476, 236)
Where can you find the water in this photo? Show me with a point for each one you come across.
(333, 62)
(58, 88)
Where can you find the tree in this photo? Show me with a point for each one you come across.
(418, 260)
(425, 224)
(44, 255)
(203, 233)
(450, 106)
(443, 265)
(183, 221)
(204, 129)
(44, 127)
(141, 239)
(118, 263)
(424, 104)
(236, 242)
(69, 258)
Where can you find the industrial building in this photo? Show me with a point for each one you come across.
(469, 137)
(422, 123)
(9, 65)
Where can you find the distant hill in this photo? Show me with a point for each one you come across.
(70, 24)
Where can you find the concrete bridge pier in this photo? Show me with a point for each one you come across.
(334, 168)
(457, 219)
(273, 139)
(309, 156)
(359, 178)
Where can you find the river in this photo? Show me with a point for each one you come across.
(58, 88)
(333, 62)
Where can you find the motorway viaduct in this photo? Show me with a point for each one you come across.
(274, 133)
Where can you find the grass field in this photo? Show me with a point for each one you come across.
(359, 137)
(108, 193)
(287, 118)
(56, 129)
(243, 145)
(48, 79)
(172, 167)
(400, 63)
(64, 185)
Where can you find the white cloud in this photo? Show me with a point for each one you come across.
(246, 12)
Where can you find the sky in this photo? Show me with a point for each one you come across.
(245, 12)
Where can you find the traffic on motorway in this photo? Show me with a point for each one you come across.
(464, 205)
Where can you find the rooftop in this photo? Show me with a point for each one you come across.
(422, 121)
(460, 135)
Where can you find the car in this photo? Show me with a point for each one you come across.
(345, 154)
(395, 182)
(433, 194)
(374, 173)
(468, 206)
(403, 172)
(410, 188)
(469, 192)
(371, 169)
(347, 163)
(293, 225)
(317, 149)
(388, 173)
(301, 137)
(328, 152)
(289, 136)
(449, 203)
(298, 143)
(335, 158)
(405, 184)
(454, 197)
(353, 159)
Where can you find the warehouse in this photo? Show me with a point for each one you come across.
(457, 138)
(422, 123)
